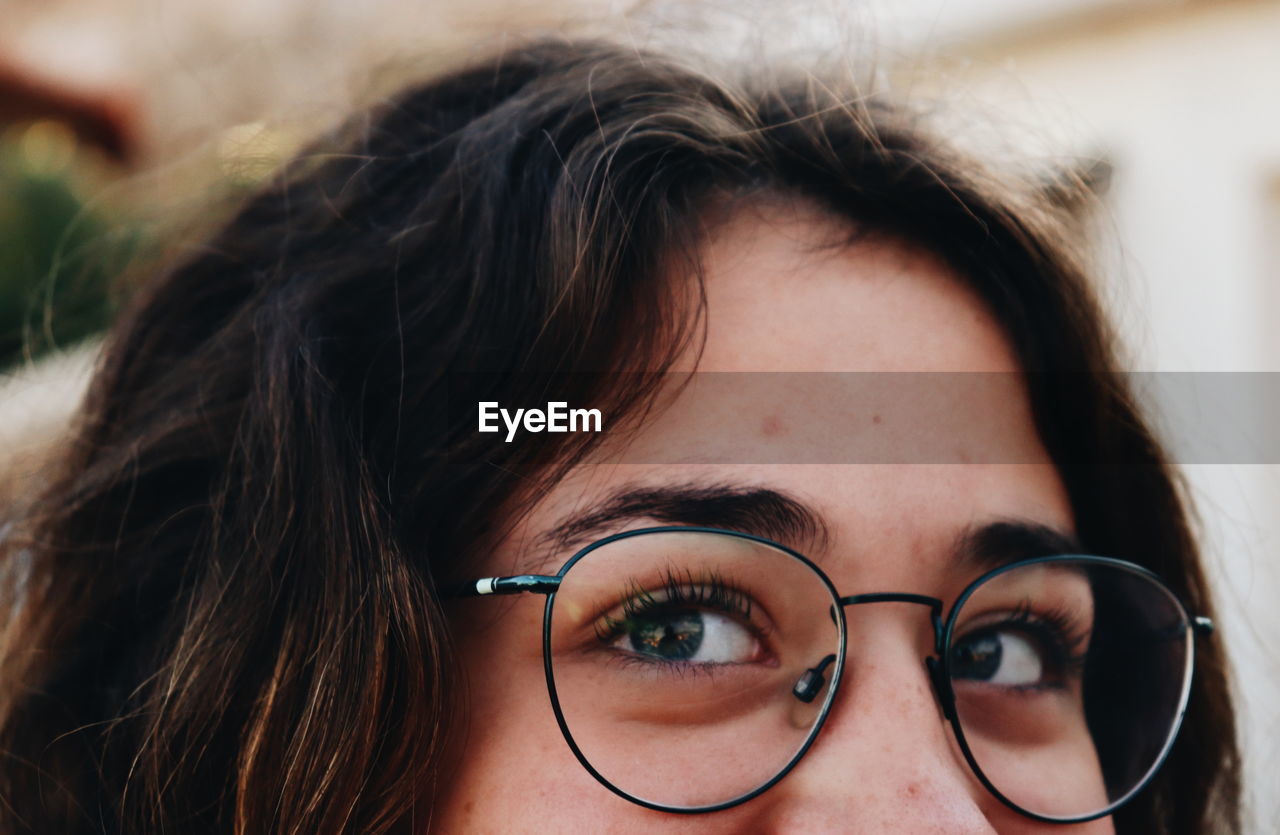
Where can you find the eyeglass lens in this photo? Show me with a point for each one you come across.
(690, 669)
(1069, 678)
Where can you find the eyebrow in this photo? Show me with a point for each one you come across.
(763, 512)
(996, 544)
(783, 518)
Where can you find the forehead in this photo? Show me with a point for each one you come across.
(792, 288)
(810, 383)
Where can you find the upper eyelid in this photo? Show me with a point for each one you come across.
(758, 618)
(1073, 634)
(667, 586)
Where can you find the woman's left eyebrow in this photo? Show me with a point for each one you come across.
(996, 544)
(772, 514)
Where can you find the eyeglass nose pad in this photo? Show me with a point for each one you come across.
(941, 687)
(810, 683)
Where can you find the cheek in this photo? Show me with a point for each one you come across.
(1016, 749)
(507, 766)
(508, 769)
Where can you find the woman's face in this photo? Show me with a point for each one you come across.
(943, 466)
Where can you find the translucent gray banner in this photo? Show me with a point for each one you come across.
(883, 417)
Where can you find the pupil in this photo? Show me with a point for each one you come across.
(672, 636)
(978, 658)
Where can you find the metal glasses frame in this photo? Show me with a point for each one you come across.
(938, 665)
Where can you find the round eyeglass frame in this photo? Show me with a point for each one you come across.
(938, 666)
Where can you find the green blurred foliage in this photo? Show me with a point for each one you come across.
(58, 255)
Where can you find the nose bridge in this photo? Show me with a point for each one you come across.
(883, 758)
(934, 604)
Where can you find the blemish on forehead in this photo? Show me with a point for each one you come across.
(773, 426)
(876, 419)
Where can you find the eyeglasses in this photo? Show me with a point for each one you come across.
(690, 669)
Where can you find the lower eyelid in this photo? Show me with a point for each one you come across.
(1015, 690)
(708, 668)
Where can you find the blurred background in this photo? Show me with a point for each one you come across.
(127, 126)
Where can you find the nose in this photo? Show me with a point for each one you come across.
(884, 761)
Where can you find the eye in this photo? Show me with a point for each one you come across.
(998, 656)
(685, 620)
(685, 635)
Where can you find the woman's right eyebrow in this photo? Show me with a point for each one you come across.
(765, 512)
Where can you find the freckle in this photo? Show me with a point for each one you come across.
(471, 804)
(876, 419)
(773, 425)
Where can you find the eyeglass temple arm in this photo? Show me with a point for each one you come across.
(1200, 626)
(533, 583)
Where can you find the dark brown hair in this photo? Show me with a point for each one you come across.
(223, 614)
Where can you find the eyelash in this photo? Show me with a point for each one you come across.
(710, 592)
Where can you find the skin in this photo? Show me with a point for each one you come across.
(780, 298)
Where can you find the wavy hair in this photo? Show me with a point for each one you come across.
(222, 613)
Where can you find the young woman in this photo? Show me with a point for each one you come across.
(803, 588)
